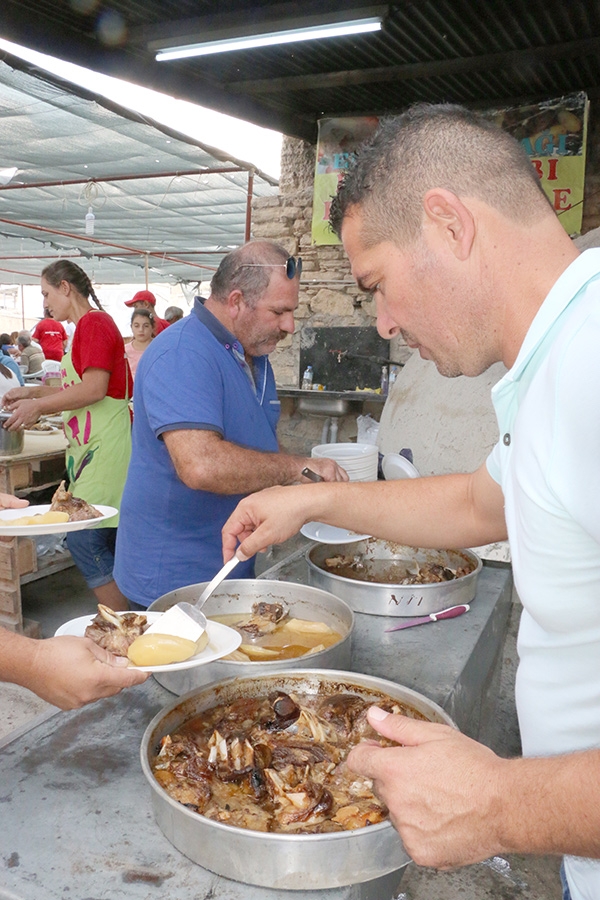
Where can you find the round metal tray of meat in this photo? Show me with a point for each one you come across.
(8, 530)
(284, 861)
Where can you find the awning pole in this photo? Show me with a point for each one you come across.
(249, 206)
(146, 269)
(22, 308)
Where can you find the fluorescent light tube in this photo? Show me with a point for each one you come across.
(338, 29)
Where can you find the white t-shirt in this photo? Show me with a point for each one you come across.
(547, 461)
(70, 329)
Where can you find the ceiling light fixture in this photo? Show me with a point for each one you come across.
(271, 38)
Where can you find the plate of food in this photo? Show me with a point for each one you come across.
(65, 513)
(31, 520)
(44, 428)
(118, 631)
(330, 534)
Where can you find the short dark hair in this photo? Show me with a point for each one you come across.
(236, 270)
(145, 314)
(429, 146)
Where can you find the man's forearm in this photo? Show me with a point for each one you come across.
(16, 654)
(39, 391)
(437, 511)
(230, 469)
(552, 805)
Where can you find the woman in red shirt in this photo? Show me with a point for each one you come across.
(93, 398)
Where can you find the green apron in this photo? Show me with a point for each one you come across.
(99, 448)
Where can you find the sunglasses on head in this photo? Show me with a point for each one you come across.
(292, 265)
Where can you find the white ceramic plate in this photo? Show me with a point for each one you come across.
(8, 530)
(396, 466)
(221, 641)
(330, 534)
(45, 431)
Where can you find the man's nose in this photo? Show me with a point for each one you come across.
(386, 326)
(287, 323)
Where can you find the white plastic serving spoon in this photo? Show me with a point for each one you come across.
(186, 620)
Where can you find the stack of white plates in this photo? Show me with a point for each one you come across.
(359, 460)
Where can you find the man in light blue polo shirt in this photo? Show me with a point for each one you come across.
(444, 222)
(204, 426)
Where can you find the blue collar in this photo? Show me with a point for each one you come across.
(259, 366)
(216, 328)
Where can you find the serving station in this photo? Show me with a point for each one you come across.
(40, 464)
(77, 810)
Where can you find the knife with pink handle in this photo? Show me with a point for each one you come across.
(449, 613)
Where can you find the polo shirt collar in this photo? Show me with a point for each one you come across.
(563, 291)
(216, 328)
(235, 348)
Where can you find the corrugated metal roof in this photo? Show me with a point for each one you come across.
(154, 193)
(487, 52)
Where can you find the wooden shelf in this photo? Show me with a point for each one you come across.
(56, 562)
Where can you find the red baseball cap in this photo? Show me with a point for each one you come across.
(142, 295)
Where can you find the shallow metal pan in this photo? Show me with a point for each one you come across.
(379, 599)
(280, 861)
(237, 596)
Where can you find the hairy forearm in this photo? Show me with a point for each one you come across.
(550, 805)
(437, 511)
(38, 391)
(230, 469)
(16, 657)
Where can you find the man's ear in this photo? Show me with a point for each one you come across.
(452, 220)
(234, 303)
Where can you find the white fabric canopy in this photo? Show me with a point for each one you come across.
(174, 206)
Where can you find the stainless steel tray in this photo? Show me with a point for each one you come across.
(282, 861)
(238, 595)
(380, 599)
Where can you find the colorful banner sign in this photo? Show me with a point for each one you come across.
(553, 133)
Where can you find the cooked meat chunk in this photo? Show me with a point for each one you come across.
(76, 508)
(341, 710)
(115, 631)
(264, 619)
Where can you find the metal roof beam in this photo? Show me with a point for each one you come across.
(155, 254)
(431, 69)
(102, 178)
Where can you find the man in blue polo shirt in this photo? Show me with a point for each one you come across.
(204, 429)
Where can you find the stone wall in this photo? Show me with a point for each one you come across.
(328, 293)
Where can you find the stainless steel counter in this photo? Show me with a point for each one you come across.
(76, 815)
